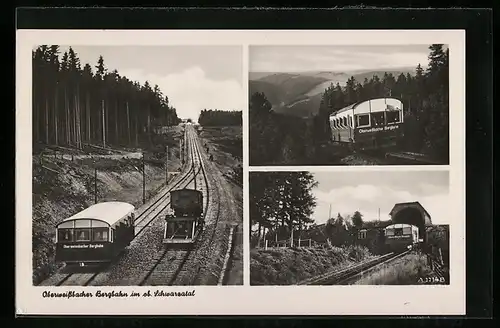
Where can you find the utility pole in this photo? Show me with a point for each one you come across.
(95, 183)
(166, 168)
(180, 150)
(143, 180)
(194, 172)
(103, 126)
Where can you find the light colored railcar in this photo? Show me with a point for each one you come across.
(371, 124)
(95, 235)
(401, 237)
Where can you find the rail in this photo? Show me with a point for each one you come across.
(171, 268)
(85, 279)
(346, 274)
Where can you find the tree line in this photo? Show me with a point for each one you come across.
(425, 97)
(281, 202)
(215, 117)
(74, 105)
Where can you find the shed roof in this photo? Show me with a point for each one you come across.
(409, 203)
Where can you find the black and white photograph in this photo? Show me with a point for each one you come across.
(137, 165)
(221, 172)
(349, 105)
(349, 228)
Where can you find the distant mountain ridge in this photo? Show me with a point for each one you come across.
(299, 93)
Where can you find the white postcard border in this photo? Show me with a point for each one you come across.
(250, 300)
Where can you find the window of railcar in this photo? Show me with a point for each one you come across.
(82, 234)
(363, 120)
(389, 232)
(377, 119)
(393, 117)
(100, 234)
(398, 231)
(350, 121)
(65, 235)
(344, 122)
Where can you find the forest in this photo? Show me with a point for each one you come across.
(278, 138)
(283, 201)
(215, 117)
(75, 105)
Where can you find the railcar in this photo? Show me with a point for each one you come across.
(183, 226)
(400, 237)
(371, 124)
(95, 235)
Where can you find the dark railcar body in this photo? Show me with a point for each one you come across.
(186, 202)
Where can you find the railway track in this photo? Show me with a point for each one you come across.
(352, 272)
(199, 259)
(142, 221)
(397, 157)
(168, 266)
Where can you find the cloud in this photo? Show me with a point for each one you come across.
(190, 91)
(368, 199)
(285, 59)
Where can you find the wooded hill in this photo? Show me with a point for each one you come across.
(425, 97)
(215, 117)
(74, 105)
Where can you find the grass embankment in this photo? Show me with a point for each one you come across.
(403, 271)
(63, 187)
(226, 147)
(288, 266)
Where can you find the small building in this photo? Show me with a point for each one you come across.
(371, 235)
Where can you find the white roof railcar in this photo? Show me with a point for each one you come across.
(106, 214)
(401, 228)
(344, 117)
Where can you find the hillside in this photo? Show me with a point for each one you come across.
(360, 77)
(299, 93)
(289, 266)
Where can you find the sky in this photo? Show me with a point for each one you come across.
(369, 191)
(335, 58)
(193, 77)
